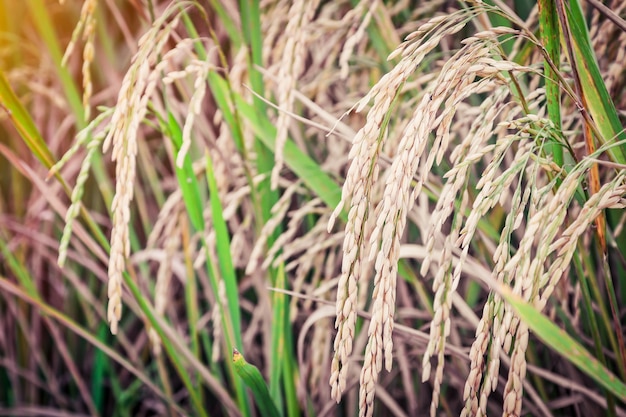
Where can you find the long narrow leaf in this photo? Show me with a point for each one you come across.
(254, 380)
(564, 344)
(600, 105)
(24, 123)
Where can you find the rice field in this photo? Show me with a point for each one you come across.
(312, 208)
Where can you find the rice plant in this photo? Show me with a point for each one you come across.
(251, 208)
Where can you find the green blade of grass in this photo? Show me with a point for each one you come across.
(290, 369)
(251, 28)
(262, 195)
(548, 22)
(564, 344)
(280, 331)
(280, 306)
(234, 34)
(100, 364)
(24, 123)
(252, 377)
(192, 196)
(222, 239)
(599, 102)
(187, 180)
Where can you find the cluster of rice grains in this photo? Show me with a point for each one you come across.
(501, 146)
(119, 129)
(87, 26)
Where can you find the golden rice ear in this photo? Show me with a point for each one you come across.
(137, 88)
(87, 26)
(297, 31)
(362, 237)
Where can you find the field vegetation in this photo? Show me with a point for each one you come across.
(320, 208)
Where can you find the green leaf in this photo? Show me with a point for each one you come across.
(24, 123)
(564, 344)
(222, 238)
(548, 22)
(187, 180)
(599, 103)
(254, 380)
